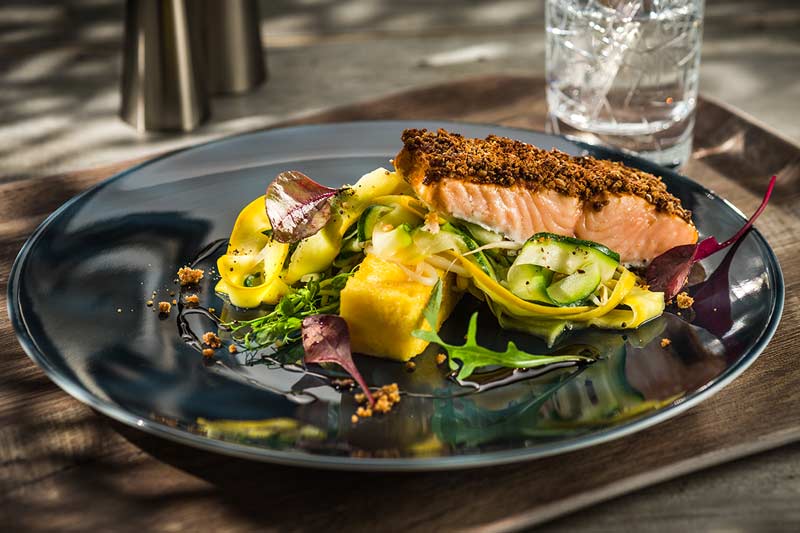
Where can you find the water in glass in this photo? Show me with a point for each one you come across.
(626, 71)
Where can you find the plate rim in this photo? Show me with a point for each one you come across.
(335, 462)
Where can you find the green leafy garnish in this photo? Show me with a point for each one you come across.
(282, 324)
(472, 355)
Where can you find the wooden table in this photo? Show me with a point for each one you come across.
(67, 467)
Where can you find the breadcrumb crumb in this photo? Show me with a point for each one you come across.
(192, 299)
(354, 419)
(432, 222)
(149, 303)
(684, 300)
(385, 398)
(344, 384)
(665, 342)
(411, 366)
(208, 352)
(232, 348)
(440, 358)
(164, 307)
(189, 276)
(211, 339)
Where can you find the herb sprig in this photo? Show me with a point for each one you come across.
(473, 356)
(282, 325)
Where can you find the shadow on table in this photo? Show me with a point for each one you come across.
(282, 493)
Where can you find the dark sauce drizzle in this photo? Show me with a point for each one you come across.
(478, 383)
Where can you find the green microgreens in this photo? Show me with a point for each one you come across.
(282, 324)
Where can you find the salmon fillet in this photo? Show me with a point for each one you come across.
(518, 190)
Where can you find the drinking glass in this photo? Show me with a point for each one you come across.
(625, 73)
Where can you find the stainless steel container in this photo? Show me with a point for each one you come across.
(234, 57)
(163, 80)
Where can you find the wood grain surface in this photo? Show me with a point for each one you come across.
(65, 467)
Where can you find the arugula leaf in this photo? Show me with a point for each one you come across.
(431, 311)
(472, 355)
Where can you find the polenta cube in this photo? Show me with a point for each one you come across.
(382, 307)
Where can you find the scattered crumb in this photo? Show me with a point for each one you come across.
(164, 307)
(149, 303)
(174, 301)
(208, 352)
(385, 398)
(345, 383)
(189, 276)
(440, 358)
(172, 293)
(432, 222)
(684, 300)
(211, 340)
(411, 366)
(192, 300)
(232, 348)
(354, 419)
(665, 342)
(211, 310)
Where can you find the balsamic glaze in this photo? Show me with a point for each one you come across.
(207, 252)
(477, 383)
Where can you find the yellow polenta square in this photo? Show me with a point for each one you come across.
(382, 307)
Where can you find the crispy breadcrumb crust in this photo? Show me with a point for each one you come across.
(507, 162)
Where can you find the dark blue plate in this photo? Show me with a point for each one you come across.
(78, 289)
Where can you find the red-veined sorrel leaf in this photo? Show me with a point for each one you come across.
(326, 339)
(712, 298)
(297, 206)
(669, 271)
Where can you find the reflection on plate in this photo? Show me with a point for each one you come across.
(78, 290)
